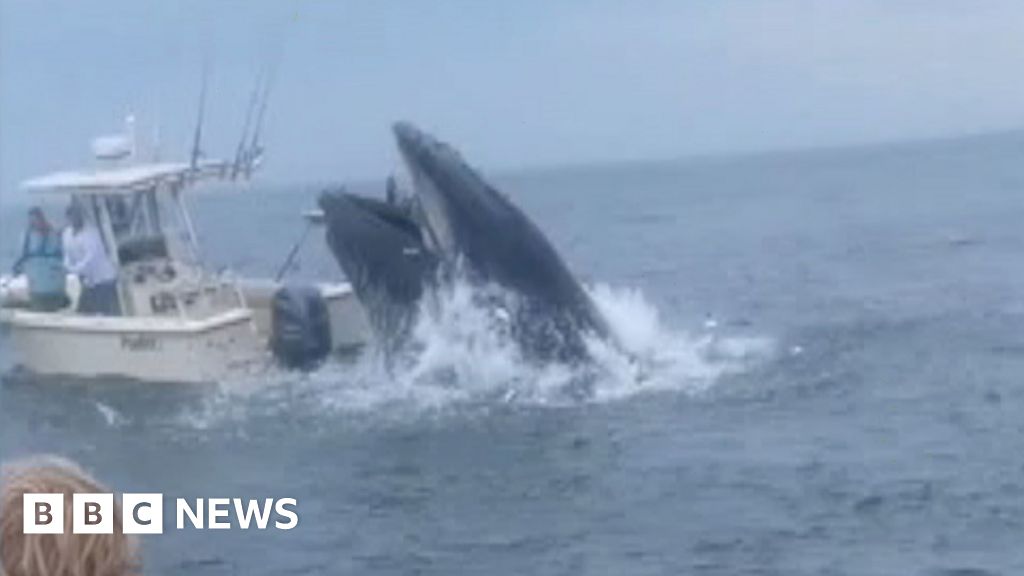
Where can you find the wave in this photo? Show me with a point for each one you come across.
(461, 356)
(461, 352)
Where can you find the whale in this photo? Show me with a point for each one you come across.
(380, 249)
(456, 226)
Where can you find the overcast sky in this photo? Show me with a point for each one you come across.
(513, 84)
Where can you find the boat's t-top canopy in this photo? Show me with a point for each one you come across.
(138, 209)
(126, 180)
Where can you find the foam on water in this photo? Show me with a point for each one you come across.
(461, 355)
(654, 357)
(112, 417)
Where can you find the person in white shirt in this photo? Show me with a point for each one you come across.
(86, 257)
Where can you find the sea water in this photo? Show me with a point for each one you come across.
(824, 375)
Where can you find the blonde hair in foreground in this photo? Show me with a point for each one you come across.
(64, 554)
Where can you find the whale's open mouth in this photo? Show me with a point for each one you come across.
(469, 230)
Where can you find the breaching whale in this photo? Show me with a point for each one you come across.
(457, 225)
(380, 249)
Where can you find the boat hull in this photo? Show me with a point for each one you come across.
(144, 349)
(170, 349)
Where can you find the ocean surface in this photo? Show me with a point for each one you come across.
(834, 384)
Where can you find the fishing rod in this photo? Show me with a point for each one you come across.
(313, 218)
(255, 150)
(240, 152)
(197, 135)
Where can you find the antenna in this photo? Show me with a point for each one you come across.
(129, 132)
(197, 136)
(156, 141)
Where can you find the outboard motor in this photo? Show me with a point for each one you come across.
(301, 327)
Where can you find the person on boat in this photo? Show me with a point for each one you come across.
(391, 191)
(86, 257)
(66, 553)
(41, 263)
(396, 196)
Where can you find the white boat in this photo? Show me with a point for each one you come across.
(180, 321)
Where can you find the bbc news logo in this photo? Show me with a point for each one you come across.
(144, 513)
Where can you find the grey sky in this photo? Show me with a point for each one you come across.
(512, 83)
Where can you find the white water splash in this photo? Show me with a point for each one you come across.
(653, 357)
(461, 352)
(111, 416)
